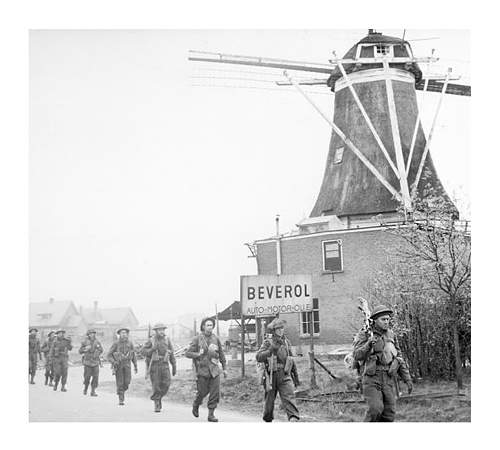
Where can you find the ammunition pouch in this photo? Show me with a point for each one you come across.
(288, 365)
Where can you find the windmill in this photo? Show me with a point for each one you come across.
(378, 150)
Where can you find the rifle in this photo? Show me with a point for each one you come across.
(363, 307)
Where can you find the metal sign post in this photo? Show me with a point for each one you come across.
(242, 345)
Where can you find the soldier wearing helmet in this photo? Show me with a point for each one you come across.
(121, 355)
(280, 372)
(159, 352)
(49, 369)
(207, 352)
(91, 350)
(381, 361)
(33, 352)
(59, 354)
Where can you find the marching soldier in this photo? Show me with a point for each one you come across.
(121, 355)
(206, 351)
(275, 353)
(33, 353)
(49, 370)
(380, 359)
(91, 350)
(159, 352)
(58, 354)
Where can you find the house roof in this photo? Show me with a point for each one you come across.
(112, 316)
(49, 314)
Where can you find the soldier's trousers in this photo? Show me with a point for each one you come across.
(380, 395)
(208, 386)
(123, 375)
(60, 370)
(160, 379)
(49, 371)
(91, 373)
(283, 384)
(32, 364)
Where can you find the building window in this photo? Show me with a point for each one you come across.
(332, 256)
(339, 153)
(305, 320)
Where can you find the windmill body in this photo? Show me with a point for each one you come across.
(388, 97)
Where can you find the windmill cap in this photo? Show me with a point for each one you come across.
(381, 310)
(159, 326)
(276, 323)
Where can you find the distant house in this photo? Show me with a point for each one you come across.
(54, 315)
(106, 321)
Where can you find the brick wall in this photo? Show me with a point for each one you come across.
(363, 253)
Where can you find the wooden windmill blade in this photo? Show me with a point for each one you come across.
(437, 86)
(272, 63)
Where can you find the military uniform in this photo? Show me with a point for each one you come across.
(49, 370)
(276, 354)
(91, 349)
(33, 354)
(159, 352)
(207, 352)
(121, 355)
(380, 362)
(59, 355)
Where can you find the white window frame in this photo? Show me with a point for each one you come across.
(338, 150)
(339, 241)
(302, 322)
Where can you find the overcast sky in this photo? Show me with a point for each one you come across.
(144, 187)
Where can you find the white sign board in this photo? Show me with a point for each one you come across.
(263, 295)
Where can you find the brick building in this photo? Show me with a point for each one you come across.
(340, 261)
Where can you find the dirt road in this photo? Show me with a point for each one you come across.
(45, 405)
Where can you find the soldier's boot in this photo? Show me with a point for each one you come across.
(196, 410)
(157, 406)
(211, 417)
(55, 385)
(85, 389)
(121, 399)
(93, 393)
(51, 383)
(32, 379)
(46, 380)
(63, 388)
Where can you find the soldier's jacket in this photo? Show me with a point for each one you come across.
(34, 345)
(60, 348)
(91, 351)
(385, 354)
(159, 349)
(46, 347)
(122, 353)
(207, 365)
(279, 359)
